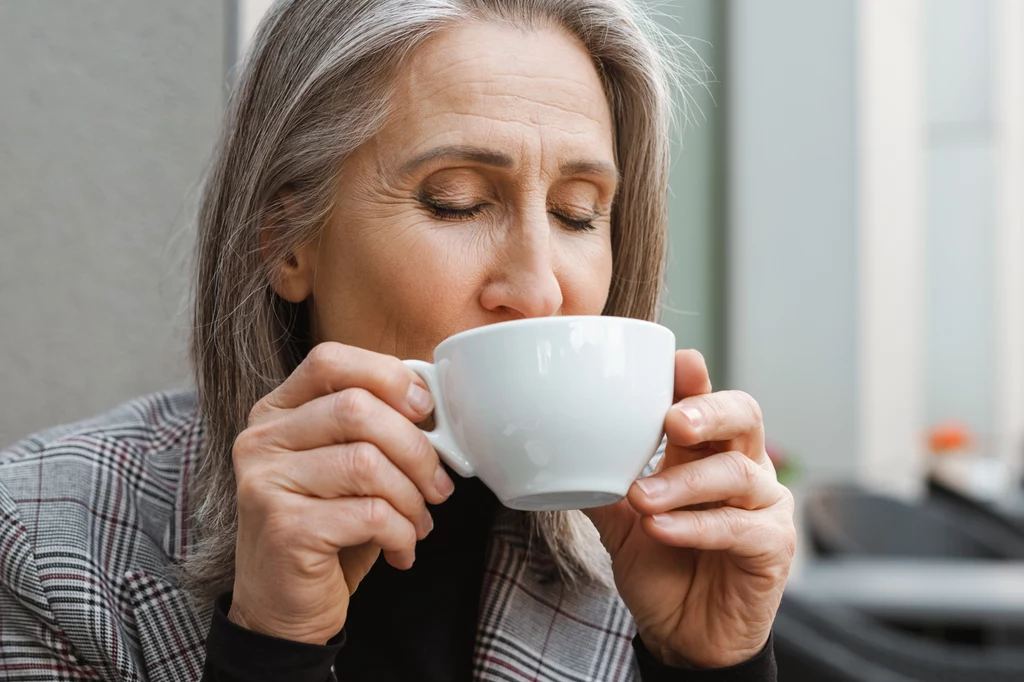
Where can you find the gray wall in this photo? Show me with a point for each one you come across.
(108, 113)
(792, 241)
(695, 304)
(960, 332)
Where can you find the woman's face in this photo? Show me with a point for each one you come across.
(486, 197)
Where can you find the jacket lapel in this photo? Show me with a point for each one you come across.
(532, 628)
(171, 633)
(171, 626)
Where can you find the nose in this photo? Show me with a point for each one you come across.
(524, 281)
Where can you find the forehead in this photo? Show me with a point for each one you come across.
(480, 83)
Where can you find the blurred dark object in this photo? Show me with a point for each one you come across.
(844, 520)
(945, 572)
(1010, 518)
(831, 643)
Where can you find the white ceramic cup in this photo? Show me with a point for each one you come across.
(554, 412)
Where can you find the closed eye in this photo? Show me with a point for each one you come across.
(443, 212)
(575, 224)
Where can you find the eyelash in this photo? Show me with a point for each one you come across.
(450, 213)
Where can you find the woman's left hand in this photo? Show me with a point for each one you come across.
(701, 549)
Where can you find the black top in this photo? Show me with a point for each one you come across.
(413, 625)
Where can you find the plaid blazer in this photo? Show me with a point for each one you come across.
(93, 518)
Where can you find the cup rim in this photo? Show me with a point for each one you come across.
(542, 321)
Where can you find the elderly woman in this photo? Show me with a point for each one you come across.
(390, 173)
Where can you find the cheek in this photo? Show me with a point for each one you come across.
(393, 272)
(585, 273)
(443, 267)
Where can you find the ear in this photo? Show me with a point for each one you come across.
(291, 276)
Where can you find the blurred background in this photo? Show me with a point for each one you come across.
(847, 246)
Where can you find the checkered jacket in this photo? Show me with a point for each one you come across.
(93, 518)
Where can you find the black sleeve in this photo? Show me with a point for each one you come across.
(760, 668)
(234, 654)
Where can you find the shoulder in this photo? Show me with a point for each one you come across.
(88, 512)
(142, 424)
(100, 491)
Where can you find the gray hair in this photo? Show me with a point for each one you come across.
(313, 87)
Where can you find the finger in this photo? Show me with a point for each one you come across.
(353, 469)
(691, 374)
(729, 477)
(352, 521)
(356, 562)
(740, 531)
(717, 417)
(355, 415)
(333, 367)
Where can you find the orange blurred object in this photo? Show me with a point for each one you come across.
(949, 436)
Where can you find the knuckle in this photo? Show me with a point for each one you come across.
(258, 412)
(410, 537)
(407, 534)
(377, 511)
(753, 407)
(762, 538)
(394, 376)
(353, 404)
(247, 490)
(363, 461)
(785, 527)
(422, 452)
(741, 469)
(286, 521)
(323, 356)
(693, 478)
(735, 523)
(253, 442)
(787, 501)
(777, 542)
(789, 542)
(716, 408)
(419, 503)
(701, 523)
(243, 448)
(254, 493)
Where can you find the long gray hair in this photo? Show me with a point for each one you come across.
(315, 86)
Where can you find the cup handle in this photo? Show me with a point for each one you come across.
(440, 438)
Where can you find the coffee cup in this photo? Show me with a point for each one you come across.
(555, 412)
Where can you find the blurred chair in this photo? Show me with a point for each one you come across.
(942, 494)
(827, 643)
(846, 520)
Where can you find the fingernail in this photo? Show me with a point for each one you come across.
(419, 400)
(652, 486)
(662, 519)
(693, 415)
(426, 522)
(443, 482)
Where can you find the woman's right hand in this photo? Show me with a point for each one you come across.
(330, 471)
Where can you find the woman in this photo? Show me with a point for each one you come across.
(390, 173)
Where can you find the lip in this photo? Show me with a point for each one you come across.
(545, 321)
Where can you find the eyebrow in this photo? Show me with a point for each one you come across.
(590, 167)
(497, 159)
(486, 157)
